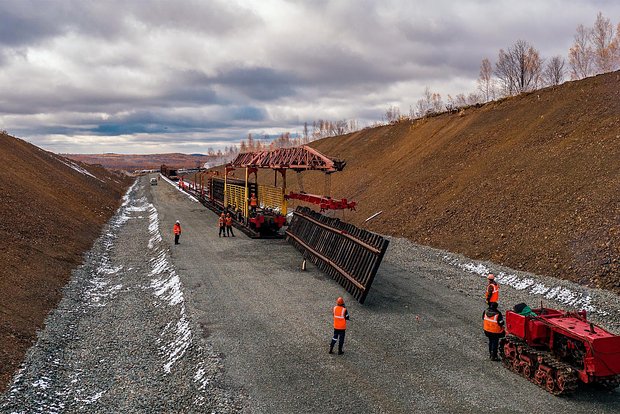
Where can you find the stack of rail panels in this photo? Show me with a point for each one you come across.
(348, 254)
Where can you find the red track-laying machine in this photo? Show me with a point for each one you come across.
(234, 195)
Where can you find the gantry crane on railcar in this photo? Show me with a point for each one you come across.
(231, 194)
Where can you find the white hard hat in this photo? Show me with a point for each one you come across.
(178, 222)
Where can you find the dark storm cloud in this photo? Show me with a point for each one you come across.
(24, 22)
(158, 121)
(188, 87)
(21, 23)
(29, 22)
(260, 83)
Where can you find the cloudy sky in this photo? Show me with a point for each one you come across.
(181, 76)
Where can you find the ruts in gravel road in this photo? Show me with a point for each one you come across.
(233, 325)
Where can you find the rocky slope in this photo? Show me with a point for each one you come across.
(52, 211)
(530, 182)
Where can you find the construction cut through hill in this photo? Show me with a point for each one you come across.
(225, 325)
(529, 181)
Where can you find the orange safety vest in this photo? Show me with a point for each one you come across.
(222, 221)
(229, 221)
(491, 325)
(495, 294)
(253, 201)
(339, 321)
(177, 228)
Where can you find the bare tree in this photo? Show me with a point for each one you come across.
(519, 68)
(554, 71)
(392, 114)
(436, 103)
(424, 105)
(615, 47)
(353, 125)
(450, 104)
(602, 36)
(473, 98)
(485, 81)
(460, 100)
(580, 54)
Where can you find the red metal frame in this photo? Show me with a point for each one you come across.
(297, 158)
(325, 203)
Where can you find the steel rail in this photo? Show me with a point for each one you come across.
(349, 255)
(341, 232)
(329, 262)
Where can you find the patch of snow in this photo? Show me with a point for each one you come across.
(182, 339)
(153, 227)
(77, 168)
(93, 398)
(176, 337)
(560, 294)
(43, 383)
(200, 377)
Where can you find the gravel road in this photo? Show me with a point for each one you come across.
(233, 325)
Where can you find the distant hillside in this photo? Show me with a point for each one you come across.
(532, 182)
(133, 162)
(52, 211)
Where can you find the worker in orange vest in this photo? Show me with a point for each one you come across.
(341, 316)
(229, 230)
(222, 224)
(253, 203)
(492, 293)
(177, 231)
(493, 325)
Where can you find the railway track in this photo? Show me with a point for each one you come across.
(348, 254)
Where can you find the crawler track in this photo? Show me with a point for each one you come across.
(539, 367)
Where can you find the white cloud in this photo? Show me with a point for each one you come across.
(115, 76)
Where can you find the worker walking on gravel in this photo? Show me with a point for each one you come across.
(492, 293)
(493, 325)
(341, 316)
(229, 230)
(177, 231)
(222, 224)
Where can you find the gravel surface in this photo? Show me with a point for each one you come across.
(234, 325)
(120, 341)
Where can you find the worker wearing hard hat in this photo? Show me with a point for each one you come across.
(177, 231)
(222, 224)
(253, 203)
(341, 316)
(493, 325)
(492, 293)
(229, 225)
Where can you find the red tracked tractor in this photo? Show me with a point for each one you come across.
(556, 350)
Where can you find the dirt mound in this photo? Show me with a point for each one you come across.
(531, 182)
(52, 211)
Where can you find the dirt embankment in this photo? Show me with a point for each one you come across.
(530, 182)
(52, 211)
